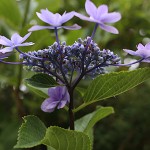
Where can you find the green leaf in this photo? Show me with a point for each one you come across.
(41, 80)
(108, 85)
(63, 139)
(86, 123)
(81, 90)
(31, 132)
(42, 92)
(10, 13)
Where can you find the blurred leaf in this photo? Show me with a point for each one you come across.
(62, 139)
(52, 5)
(42, 92)
(81, 90)
(31, 132)
(41, 80)
(9, 12)
(112, 84)
(86, 123)
(9, 127)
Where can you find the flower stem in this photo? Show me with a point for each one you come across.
(94, 31)
(28, 54)
(57, 39)
(71, 113)
(129, 64)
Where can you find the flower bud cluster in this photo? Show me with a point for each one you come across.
(84, 56)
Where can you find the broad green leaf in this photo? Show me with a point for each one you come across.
(86, 123)
(81, 90)
(41, 80)
(42, 92)
(31, 132)
(108, 85)
(9, 12)
(63, 139)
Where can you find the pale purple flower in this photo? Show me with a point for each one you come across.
(4, 55)
(101, 16)
(54, 20)
(58, 98)
(15, 41)
(142, 51)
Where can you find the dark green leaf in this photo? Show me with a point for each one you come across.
(41, 80)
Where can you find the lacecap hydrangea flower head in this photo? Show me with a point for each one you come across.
(69, 64)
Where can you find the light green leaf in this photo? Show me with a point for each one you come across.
(42, 92)
(41, 80)
(63, 139)
(86, 123)
(108, 85)
(31, 132)
(81, 90)
(9, 12)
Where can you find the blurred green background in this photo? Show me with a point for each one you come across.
(129, 127)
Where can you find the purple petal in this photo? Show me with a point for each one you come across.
(111, 17)
(5, 41)
(86, 18)
(16, 38)
(48, 105)
(109, 28)
(61, 104)
(103, 9)
(140, 46)
(131, 52)
(55, 93)
(147, 46)
(67, 16)
(24, 44)
(4, 55)
(143, 52)
(6, 50)
(37, 27)
(74, 27)
(90, 8)
(46, 16)
(25, 37)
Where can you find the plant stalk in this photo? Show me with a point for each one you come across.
(71, 113)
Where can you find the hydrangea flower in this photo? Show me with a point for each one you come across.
(59, 97)
(101, 16)
(4, 55)
(142, 51)
(16, 41)
(54, 20)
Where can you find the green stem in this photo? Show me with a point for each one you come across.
(26, 13)
(19, 102)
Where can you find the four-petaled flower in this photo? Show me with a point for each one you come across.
(142, 51)
(16, 41)
(59, 97)
(54, 20)
(100, 16)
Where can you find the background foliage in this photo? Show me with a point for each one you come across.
(128, 128)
